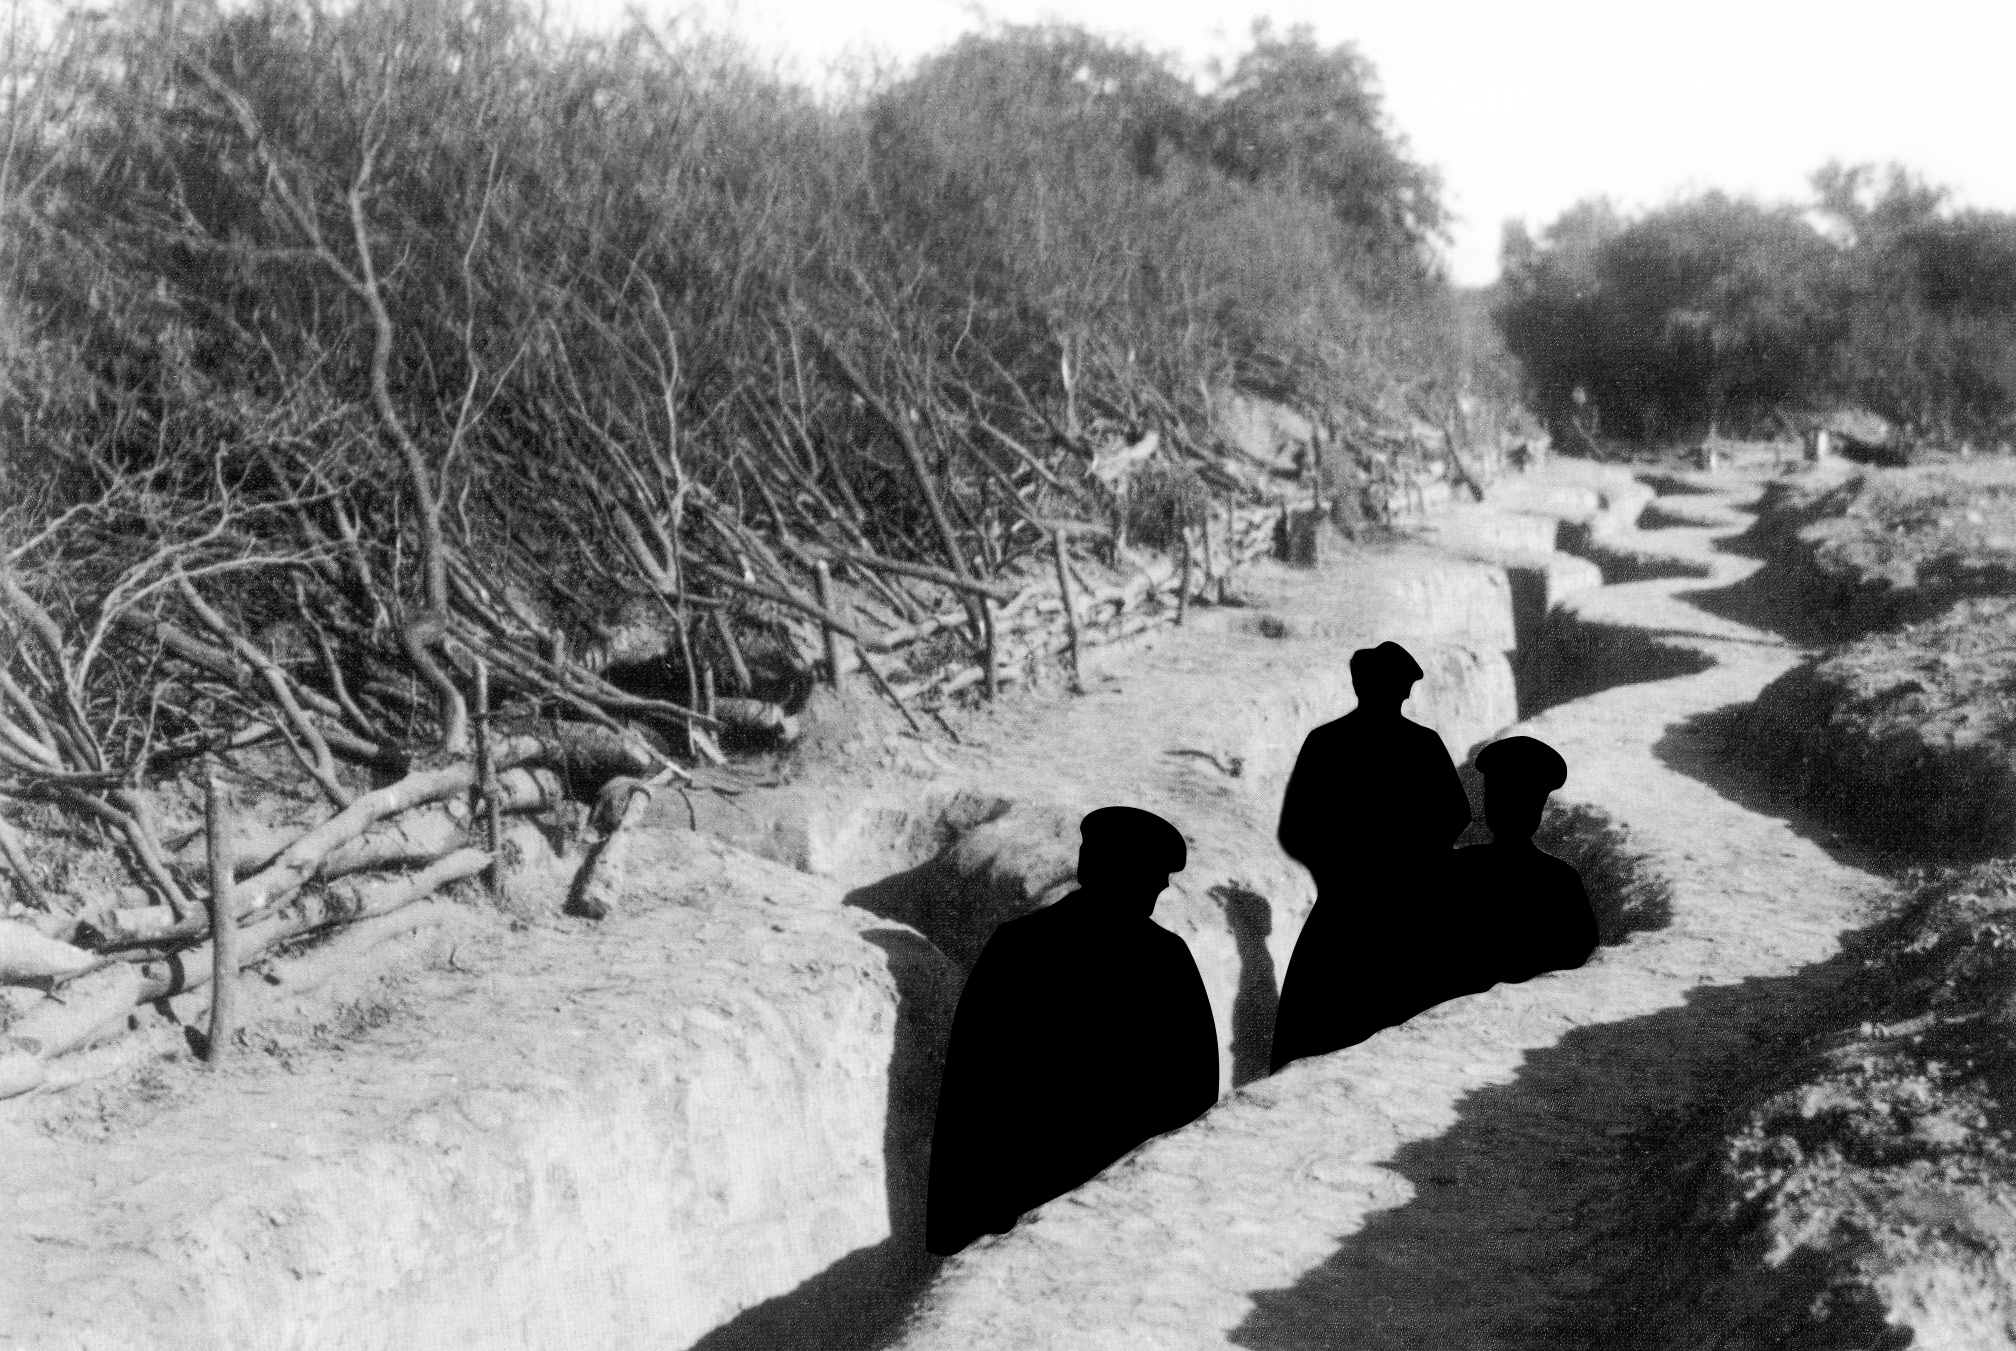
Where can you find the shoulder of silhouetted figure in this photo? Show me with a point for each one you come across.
(1521, 912)
(1558, 932)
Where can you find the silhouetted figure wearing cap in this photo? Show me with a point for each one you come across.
(1083, 1030)
(1523, 910)
(1372, 810)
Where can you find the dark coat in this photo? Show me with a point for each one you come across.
(1372, 809)
(1079, 1035)
(1524, 912)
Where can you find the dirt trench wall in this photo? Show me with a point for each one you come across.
(953, 857)
(1240, 903)
(705, 1120)
(614, 1137)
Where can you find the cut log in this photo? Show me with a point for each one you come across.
(600, 886)
(757, 715)
(28, 958)
(92, 1007)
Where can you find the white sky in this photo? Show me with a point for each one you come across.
(1527, 106)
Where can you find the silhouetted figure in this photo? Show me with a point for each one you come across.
(1372, 809)
(1516, 910)
(1083, 1030)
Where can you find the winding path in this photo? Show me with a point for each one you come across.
(1462, 1182)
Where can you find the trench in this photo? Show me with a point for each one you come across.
(1499, 1172)
(708, 1124)
(956, 896)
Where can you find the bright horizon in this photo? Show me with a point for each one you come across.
(1526, 109)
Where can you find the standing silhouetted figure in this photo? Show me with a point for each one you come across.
(1372, 810)
(1083, 1030)
(1517, 910)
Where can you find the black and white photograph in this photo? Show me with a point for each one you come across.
(1043, 675)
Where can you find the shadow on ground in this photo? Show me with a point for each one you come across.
(1582, 1189)
(1620, 565)
(1567, 1187)
(857, 1302)
(1572, 658)
(1250, 917)
(1717, 748)
(1672, 485)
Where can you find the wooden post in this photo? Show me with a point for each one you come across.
(486, 784)
(223, 922)
(1070, 607)
(989, 681)
(889, 692)
(1210, 560)
(1231, 551)
(1315, 502)
(1183, 582)
(824, 574)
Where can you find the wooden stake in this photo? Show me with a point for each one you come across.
(889, 692)
(824, 575)
(223, 922)
(1183, 582)
(486, 784)
(1315, 500)
(1210, 570)
(989, 679)
(1231, 551)
(1070, 608)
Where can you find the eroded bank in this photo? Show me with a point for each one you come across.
(704, 1120)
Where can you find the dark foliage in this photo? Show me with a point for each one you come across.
(1719, 313)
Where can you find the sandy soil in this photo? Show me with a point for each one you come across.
(661, 1124)
(1474, 1179)
(1471, 1179)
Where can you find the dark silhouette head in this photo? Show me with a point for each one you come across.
(1126, 856)
(1519, 772)
(1383, 676)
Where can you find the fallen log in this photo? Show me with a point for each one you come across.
(302, 860)
(190, 969)
(414, 837)
(28, 958)
(756, 715)
(100, 1004)
(92, 1007)
(595, 894)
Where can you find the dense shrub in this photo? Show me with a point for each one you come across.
(1719, 312)
(439, 331)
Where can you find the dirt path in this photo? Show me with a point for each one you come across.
(1464, 1181)
(1435, 1187)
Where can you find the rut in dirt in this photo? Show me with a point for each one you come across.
(1478, 1178)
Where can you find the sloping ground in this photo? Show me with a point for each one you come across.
(1864, 1194)
(541, 1138)
(701, 1119)
(1871, 1172)
(1870, 549)
(1472, 1179)
(1909, 736)
(1904, 733)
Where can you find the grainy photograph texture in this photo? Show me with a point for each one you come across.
(1145, 677)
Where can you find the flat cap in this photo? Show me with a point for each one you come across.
(1524, 760)
(1388, 660)
(1136, 838)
